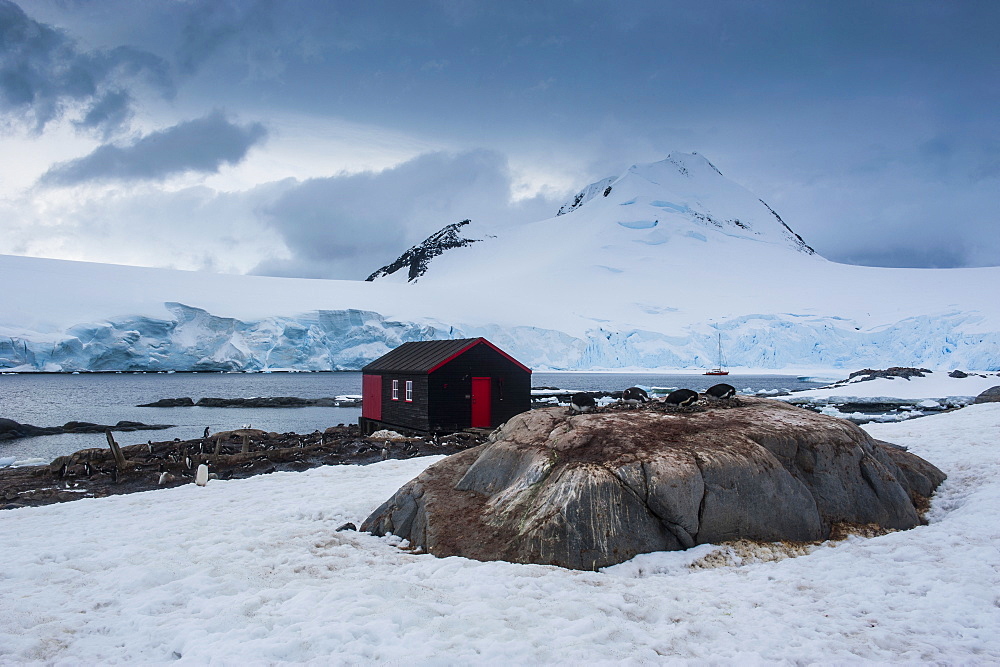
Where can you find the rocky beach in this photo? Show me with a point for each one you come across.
(93, 473)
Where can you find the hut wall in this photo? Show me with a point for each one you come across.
(450, 389)
(400, 412)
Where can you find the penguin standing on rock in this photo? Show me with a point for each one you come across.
(582, 403)
(634, 396)
(682, 398)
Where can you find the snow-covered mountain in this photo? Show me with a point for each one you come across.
(639, 271)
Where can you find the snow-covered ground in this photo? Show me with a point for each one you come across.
(252, 571)
(932, 385)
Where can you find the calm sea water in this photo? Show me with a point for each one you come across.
(54, 399)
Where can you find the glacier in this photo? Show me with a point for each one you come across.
(331, 340)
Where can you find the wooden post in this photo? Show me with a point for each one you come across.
(246, 444)
(116, 451)
(218, 446)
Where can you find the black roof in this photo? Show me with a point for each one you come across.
(425, 356)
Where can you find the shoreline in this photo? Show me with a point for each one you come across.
(93, 473)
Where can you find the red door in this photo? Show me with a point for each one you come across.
(371, 396)
(482, 399)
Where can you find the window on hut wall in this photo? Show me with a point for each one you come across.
(409, 391)
(395, 390)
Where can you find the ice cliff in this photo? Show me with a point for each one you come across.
(194, 339)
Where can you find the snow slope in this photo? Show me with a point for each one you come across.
(931, 386)
(641, 277)
(253, 572)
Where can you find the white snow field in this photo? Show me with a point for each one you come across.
(644, 277)
(253, 572)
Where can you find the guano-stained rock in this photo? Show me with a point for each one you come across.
(591, 490)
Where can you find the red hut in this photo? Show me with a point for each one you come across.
(443, 386)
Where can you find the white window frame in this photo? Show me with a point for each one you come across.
(395, 390)
(409, 391)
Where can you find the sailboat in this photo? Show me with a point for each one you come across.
(721, 368)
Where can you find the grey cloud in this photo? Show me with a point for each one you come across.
(43, 75)
(348, 226)
(201, 145)
(248, 27)
(111, 111)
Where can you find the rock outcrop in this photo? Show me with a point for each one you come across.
(587, 491)
(256, 402)
(991, 395)
(416, 259)
(10, 429)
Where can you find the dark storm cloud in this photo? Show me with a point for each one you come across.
(201, 145)
(43, 75)
(348, 226)
(871, 127)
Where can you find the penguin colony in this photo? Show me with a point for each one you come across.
(678, 400)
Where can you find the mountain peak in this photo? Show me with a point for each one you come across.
(684, 191)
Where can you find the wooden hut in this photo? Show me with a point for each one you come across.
(443, 386)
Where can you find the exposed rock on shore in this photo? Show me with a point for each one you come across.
(169, 403)
(592, 490)
(258, 402)
(991, 395)
(891, 372)
(10, 429)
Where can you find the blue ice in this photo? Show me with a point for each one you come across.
(639, 224)
(670, 205)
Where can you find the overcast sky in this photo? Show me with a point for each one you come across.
(321, 139)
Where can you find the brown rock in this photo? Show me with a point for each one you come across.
(586, 491)
(991, 395)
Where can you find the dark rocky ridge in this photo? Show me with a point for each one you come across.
(597, 489)
(891, 372)
(256, 402)
(10, 429)
(417, 258)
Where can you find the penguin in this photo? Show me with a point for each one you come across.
(201, 477)
(634, 396)
(188, 462)
(205, 436)
(721, 391)
(582, 403)
(682, 398)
